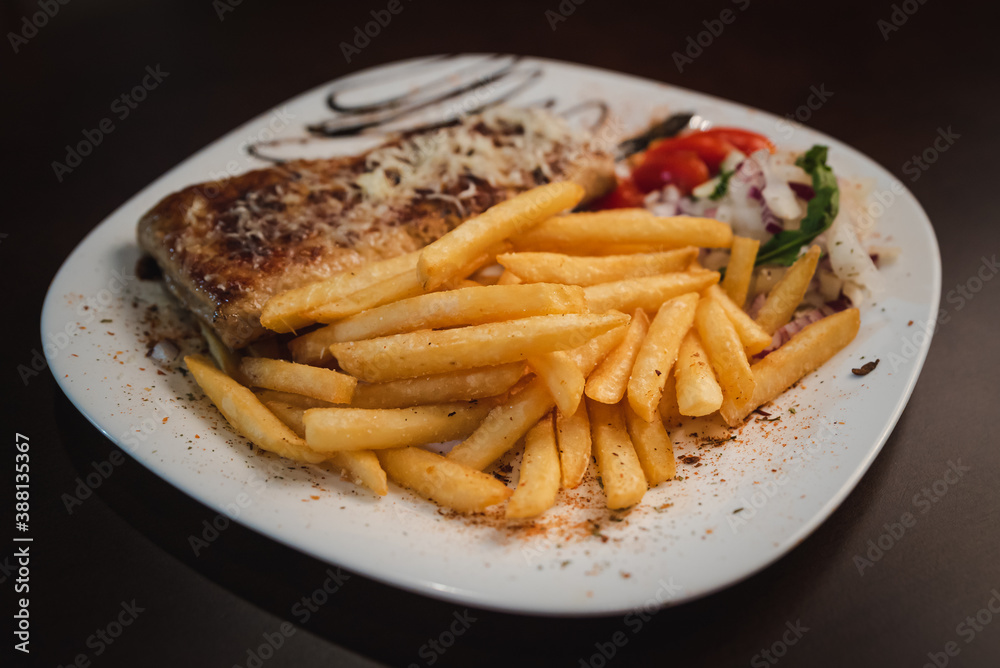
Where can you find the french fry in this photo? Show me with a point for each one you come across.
(290, 398)
(739, 271)
(698, 392)
(609, 380)
(805, 352)
(752, 335)
(572, 270)
(504, 425)
(444, 482)
(573, 432)
(337, 429)
(786, 296)
(652, 447)
(627, 226)
(325, 384)
(538, 480)
(394, 288)
(621, 474)
(670, 413)
(247, 414)
(725, 352)
(509, 278)
(590, 354)
(463, 306)
(361, 466)
(429, 352)
(285, 312)
(225, 358)
(485, 259)
(646, 293)
(563, 378)
(658, 353)
(439, 260)
(464, 385)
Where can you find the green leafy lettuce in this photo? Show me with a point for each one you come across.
(783, 248)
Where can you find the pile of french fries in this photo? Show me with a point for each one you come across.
(588, 352)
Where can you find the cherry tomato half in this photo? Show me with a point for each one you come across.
(712, 150)
(744, 140)
(684, 169)
(625, 196)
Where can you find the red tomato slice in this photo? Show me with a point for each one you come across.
(744, 140)
(712, 150)
(683, 168)
(625, 196)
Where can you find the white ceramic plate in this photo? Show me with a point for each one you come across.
(688, 538)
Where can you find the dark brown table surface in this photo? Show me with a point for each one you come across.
(898, 73)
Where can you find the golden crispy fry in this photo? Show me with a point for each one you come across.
(247, 414)
(361, 466)
(485, 259)
(291, 398)
(337, 429)
(225, 358)
(658, 353)
(428, 352)
(464, 306)
(538, 481)
(394, 288)
(573, 433)
(563, 378)
(806, 351)
(504, 425)
(628, 226)
(439, 261)
(444, 482)
(610, 379)
(285, 312)
(670, 413)
(698, 392)
(725, 352)
(590, 354)
(621, 474)
(739, 271)
(753, 336)
(646, 293)
(652, 447)
(571, 270)
(786, 296)
(509, 278)
(325, 384)
(463, 385)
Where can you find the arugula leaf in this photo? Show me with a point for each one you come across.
(722, 186)
(783, 248)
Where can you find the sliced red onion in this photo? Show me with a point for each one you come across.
(756, 193)
(802, 190)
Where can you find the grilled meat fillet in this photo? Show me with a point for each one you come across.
(225, 247)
